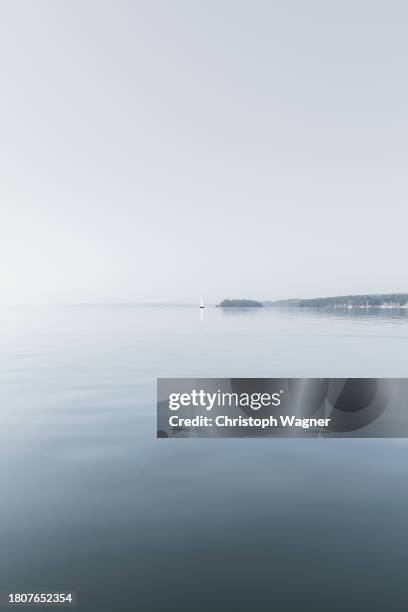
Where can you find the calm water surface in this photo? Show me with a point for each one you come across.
(91, 501)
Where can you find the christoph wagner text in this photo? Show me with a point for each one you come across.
(206, 400)
(264, 423)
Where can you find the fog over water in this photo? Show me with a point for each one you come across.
(157, 152)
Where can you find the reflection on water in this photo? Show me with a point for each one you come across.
(369, 314)
(91, 501)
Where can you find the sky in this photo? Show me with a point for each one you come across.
(159, 151)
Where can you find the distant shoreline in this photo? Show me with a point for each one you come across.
(365, 301)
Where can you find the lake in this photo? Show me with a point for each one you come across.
(92, 501)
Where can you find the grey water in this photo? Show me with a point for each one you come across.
(92, 501)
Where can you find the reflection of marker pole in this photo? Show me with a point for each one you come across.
(201, 309)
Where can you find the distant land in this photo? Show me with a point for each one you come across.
(240, 304)
(385, 300)
(292, 302)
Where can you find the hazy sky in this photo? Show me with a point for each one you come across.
(160, 150)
